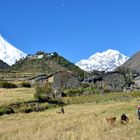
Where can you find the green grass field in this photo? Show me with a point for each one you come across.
(79, 122)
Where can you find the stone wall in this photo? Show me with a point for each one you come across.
(65, 80)
(114, 81)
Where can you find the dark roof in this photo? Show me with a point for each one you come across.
(94, 77)
(44, 76)
(61, 72)
(98, 77)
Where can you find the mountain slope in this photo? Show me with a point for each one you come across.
(3, 65)
(133, 63)
(8, 53)
(47, 63)
(105, 61)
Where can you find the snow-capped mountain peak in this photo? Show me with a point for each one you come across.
(105, 61)
(8, 53)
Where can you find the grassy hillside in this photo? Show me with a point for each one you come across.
(86, 120)
(48, 64)
(80, 122)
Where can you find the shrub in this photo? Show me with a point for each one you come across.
(42, 93)
(106, 91)
(80, 91)
(74, 91)
(90, 90)
(135, 94)
(85, 85)
(29, 109)
(44, 106)
(56, 101)
(6, 110)
(63, 94)
(40, 53)
(25, 84)
(5, 84)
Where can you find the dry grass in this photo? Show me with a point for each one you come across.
(8, 96)
(80, 122)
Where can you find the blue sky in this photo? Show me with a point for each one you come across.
(75, 29)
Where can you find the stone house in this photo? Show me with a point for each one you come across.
(112, 81)
(58, 80)
(63, 79)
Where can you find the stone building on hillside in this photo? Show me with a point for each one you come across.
(58, 80)
(111, 81)
(63, 79)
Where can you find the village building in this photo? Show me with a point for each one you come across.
(58, 80)
(111, 81)
(40, 56)
(63, 79)
(36, 56)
